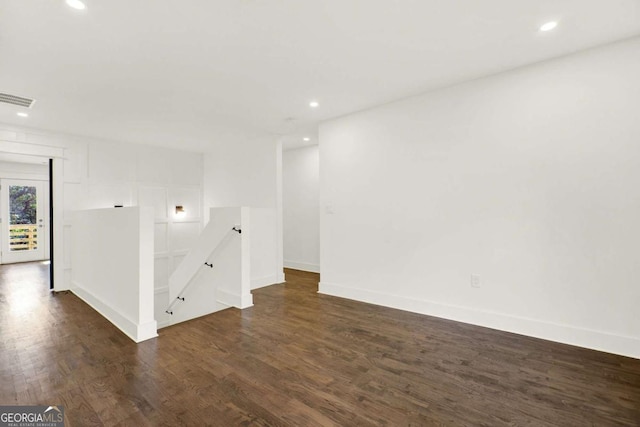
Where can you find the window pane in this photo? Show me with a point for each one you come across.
(23, 231)
(23, 204)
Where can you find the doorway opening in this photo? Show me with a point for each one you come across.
(25, 212)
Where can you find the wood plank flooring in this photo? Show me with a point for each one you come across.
(298, 358)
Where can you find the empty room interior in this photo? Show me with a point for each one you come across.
(349, 213)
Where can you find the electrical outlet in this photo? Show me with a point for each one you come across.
(475, 280)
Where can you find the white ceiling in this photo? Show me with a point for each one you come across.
(188, 72)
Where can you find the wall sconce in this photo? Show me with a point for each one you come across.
(180, 212)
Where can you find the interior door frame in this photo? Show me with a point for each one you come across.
(20, 149)
(51, 252)
(39, 253)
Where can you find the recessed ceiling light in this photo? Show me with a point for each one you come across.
(306, 139)
(76, 4)
(549, 26)
(21, 114)
(314, 104)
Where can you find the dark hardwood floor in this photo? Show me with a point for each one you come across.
(301, 359)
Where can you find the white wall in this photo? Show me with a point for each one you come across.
(249, 174)
(227, 283)
(241, 174)
(100, 174)
(263, 247)
(137, 175)
(527, 178)
(301, 220)
(15, 170)
(112, 261)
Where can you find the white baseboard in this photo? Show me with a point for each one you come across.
(138, 332)
(146, 331)
(66, 281)
(596, 340)
(164, 324)
(234, 300)
(303, 266)
(261, 282)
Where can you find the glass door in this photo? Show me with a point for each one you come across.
(23, 225)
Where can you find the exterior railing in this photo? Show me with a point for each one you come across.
(23, 237)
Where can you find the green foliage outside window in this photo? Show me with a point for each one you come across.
(23, 204)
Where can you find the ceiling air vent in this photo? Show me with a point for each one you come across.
(16, 100)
